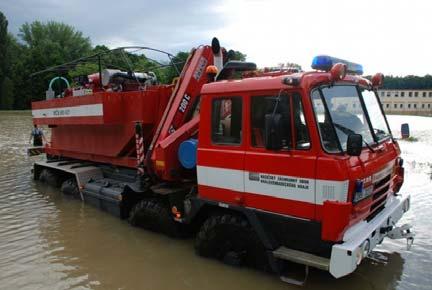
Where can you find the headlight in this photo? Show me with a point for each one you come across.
(361, 192)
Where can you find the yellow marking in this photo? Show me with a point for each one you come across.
(160, 163)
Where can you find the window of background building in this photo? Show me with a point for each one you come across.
(428, 106)
(387, 105)
(415, 94)
(424, 94)
(409, 94)
(395, 106)
(430, 94)
(388, 94)
(409, 106)
(402, 94)
(382, 94)
(423, 106)
(401, 106)
(227, 120)
(415, 106)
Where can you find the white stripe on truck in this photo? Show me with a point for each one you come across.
(280, 186)
(76, 111)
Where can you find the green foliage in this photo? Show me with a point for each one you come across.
(237, 55)
(408, 82)
(54, 42)
(7, 93)
(45, 45)
(83, 69)
(170, 72)
(3, 51)
(411, 139)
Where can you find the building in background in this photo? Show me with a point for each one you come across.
(409, 102)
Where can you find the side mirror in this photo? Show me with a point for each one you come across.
(273, 131)
(354, 144)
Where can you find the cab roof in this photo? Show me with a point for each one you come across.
(305, 80)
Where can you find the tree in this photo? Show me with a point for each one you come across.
(3, 51)
(7, 93)
(45, 45)
(60, 41)
(170, 72)
(290, 65)
(236, 55)
(408, 82)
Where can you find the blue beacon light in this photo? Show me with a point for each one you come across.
(325, 63)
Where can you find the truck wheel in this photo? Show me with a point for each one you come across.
(231, 239)
(70, 187)
(153, 215)
(49, 177)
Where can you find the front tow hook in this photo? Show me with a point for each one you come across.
(402, 232)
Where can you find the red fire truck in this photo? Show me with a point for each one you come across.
(264, 167)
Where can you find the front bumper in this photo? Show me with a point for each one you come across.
(362, 238)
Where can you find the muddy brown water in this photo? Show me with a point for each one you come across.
(48, 241)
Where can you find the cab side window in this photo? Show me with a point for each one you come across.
(227, 120)
(291, 109)
(264, 105)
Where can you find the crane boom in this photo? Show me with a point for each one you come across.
(178, 122)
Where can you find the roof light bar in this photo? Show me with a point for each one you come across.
(325, 63)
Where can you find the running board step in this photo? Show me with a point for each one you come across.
(302, 258)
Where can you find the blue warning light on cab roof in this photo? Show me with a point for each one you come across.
(325, 63)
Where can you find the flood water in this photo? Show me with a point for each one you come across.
(48, 241)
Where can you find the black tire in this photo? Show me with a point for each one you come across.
(70, 187)
(231, 239)
(153, 215)
(49, 177)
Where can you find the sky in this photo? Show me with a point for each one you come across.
(392, 37)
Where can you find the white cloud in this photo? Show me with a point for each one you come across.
(392, 37)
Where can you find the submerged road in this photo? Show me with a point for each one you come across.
(48, 241)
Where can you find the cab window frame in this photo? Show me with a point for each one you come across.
(213, 118)
(289, 95)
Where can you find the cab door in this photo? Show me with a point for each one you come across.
(279, 181)
(220, 165)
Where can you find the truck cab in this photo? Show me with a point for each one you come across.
(310, 156)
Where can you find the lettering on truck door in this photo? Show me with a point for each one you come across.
(281, 181)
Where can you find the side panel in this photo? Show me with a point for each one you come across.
(280, 182)
(220, 168)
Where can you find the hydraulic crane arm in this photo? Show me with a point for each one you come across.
(177, 123)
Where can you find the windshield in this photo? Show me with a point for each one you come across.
(341, 107)
(376, 116)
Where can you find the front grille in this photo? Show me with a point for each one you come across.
(380, 192)
(379, 196)
(382, 182)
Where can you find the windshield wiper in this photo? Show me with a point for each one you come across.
(381, 133)
(349, 131)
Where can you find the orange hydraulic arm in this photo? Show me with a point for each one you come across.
(178, 124)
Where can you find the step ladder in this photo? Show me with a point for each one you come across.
(303, 258)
